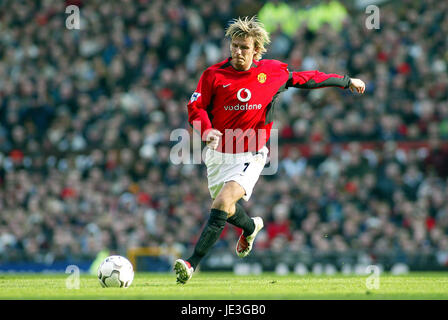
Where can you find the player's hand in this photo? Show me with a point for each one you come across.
(358, 85)
(212, 138)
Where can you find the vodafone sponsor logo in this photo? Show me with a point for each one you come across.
(243, 95)
(243, 107)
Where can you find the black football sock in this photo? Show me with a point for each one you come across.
(209, 236)
(241, 220)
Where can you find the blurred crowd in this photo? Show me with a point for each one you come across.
(86, 117)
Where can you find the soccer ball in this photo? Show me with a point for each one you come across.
(115, 271)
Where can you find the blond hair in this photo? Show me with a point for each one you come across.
(250, 27)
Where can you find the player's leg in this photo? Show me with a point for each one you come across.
(242, 220)
(226, 199)
(251, 226)
(239, 218)
(223, 206)
(227, 185)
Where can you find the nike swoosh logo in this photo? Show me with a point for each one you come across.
(224, 86)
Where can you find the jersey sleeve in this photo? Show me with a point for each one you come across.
(199, 101)
(316, 79)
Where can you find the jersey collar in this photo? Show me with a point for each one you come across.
(228, 64)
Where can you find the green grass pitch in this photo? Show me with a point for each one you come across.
(226, 286)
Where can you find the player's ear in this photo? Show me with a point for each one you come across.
(255, 52)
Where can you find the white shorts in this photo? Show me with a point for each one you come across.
(243, 168)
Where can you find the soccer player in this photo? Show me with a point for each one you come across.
(231, 109)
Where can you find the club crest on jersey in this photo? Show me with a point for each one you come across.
(262, 77)
(244, 95)
(194, 97)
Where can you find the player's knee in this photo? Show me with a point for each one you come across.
(221, 203)
(224, 204)
(231, 212)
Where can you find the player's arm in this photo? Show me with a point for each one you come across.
(316, 79)
(197, 111)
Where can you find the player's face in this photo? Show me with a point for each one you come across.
(242, 52)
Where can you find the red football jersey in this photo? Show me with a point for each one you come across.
(237, 103)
